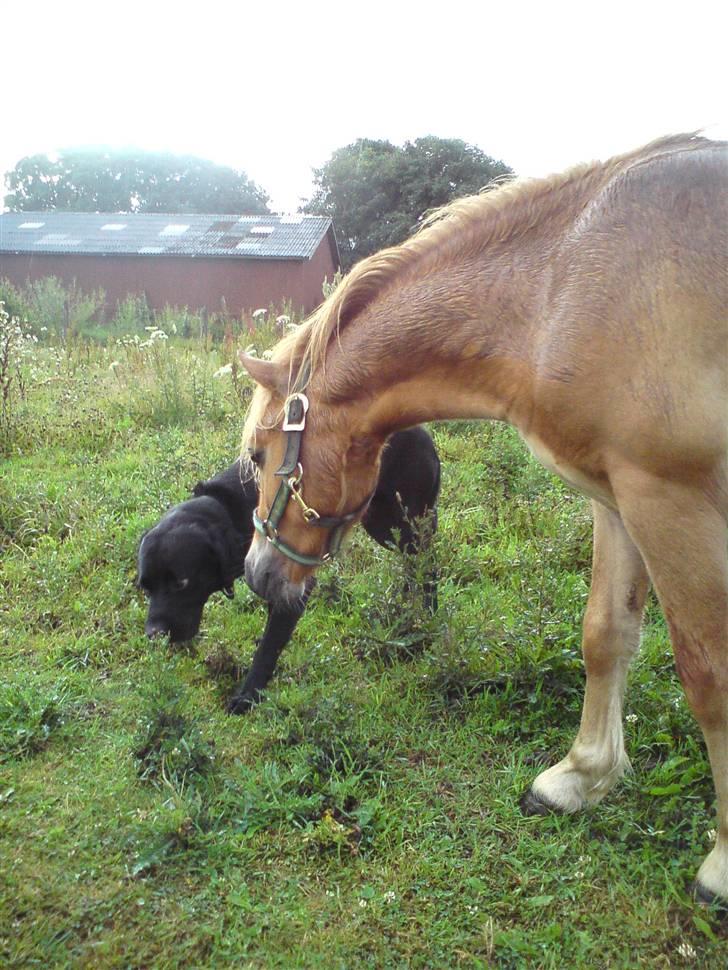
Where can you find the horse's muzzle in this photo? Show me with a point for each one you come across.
(264, 573)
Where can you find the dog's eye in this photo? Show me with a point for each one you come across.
(181, 584)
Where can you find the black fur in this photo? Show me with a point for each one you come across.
(199, 547)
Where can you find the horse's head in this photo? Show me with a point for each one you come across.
(316, 467)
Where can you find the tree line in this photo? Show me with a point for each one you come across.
(375, 192)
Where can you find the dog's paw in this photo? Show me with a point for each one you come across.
(243, 702)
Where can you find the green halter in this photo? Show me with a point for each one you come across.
(291, 471)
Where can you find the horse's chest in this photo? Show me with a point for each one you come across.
(576, 477)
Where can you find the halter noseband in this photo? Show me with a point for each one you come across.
(291, 471)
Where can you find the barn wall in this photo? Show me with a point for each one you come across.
(195, 282)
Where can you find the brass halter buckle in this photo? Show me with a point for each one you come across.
(294, 483)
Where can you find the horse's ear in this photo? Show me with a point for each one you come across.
(265, 372)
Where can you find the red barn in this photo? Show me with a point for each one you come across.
(188, 260)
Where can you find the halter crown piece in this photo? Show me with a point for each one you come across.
(291, 471)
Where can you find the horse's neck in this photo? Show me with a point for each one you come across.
(452, 344)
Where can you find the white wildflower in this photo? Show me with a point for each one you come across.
(222, 371)
(390, 897)
(631, 718)
(711, 835)
(260, 312)
(686, 951)
(283, 320)
(113, 365)
(363, 903)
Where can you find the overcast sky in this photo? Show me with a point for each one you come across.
(274, 89)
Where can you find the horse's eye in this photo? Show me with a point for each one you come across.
(256, 457)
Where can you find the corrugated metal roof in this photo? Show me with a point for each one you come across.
(246, 237)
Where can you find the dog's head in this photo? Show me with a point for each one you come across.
(182, 561)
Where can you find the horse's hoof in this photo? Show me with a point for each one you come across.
(708, 898)
(533, 804)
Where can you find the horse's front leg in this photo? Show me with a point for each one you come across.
(597, 758)
(681, 533)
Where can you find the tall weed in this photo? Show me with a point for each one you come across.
(169, 748)
(165, 384)
(16, 358)
(28, 717)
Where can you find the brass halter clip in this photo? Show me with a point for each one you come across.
(294, 483)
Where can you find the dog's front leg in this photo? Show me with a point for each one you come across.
(278, 631)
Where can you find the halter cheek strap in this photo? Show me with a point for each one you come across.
(291, 471)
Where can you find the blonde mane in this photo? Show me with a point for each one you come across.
(463, 227)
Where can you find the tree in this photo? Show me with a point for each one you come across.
(130, 181)
(377, 193)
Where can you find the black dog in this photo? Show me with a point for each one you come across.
(199, 547)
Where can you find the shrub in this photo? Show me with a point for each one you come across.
(62, 311)
(132, 315)
(15, 302)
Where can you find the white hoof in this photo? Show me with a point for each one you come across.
(568, 788)
(712, 881)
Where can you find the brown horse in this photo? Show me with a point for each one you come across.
(589, 311)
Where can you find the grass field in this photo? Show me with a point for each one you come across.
(366, 814)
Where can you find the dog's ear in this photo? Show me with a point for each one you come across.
(137, 571)
(138, 556)
(228, 559)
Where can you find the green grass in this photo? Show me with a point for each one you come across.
(366, 814)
